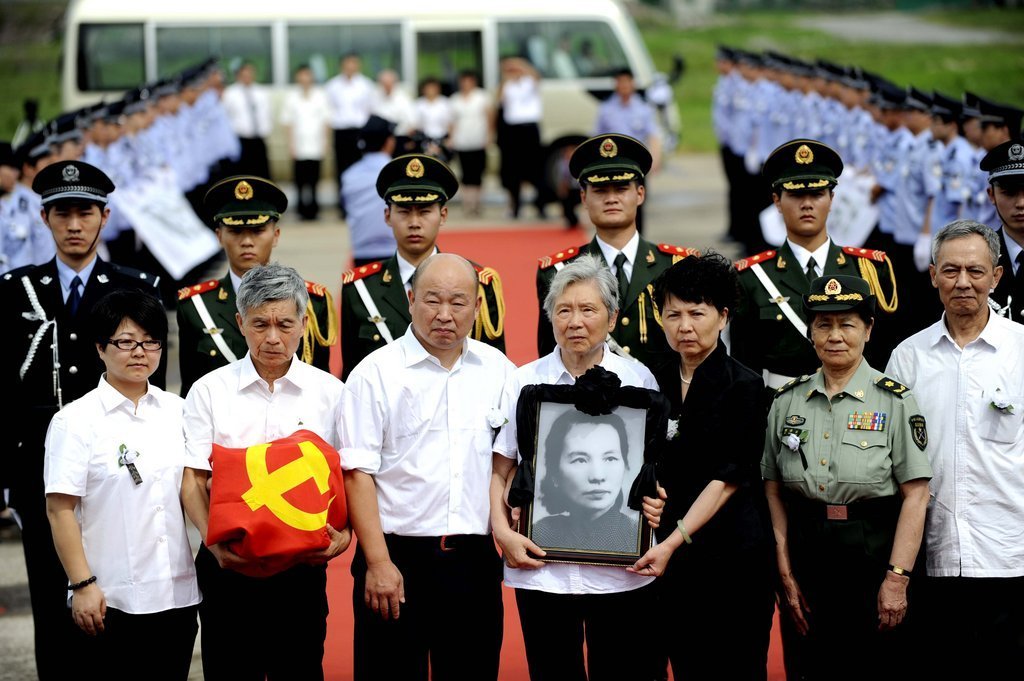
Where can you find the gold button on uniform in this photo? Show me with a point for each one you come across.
(625, 321)
(779, 317)
(625, 349)
(824, 462)
(376, 336)
(826, 436)
(821, 488)
(863, 443)
(213, 353)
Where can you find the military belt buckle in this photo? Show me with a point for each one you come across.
(836, 512)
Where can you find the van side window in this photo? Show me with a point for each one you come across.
(379, 46)
(178, 47)
(110, 57)
(563, 49)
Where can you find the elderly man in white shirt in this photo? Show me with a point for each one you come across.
(967, 371)
(350, 96)
(247, 105)
(266, 395)
(416, 451)
(559, 603)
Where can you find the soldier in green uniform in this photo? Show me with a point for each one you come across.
(846, 475)
(375, 296)
(769, 330)
(245, 210)
(610, 170)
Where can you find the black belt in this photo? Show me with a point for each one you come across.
(865, 509)
(444, 542)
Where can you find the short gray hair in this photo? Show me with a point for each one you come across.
(584, 268)
(959, 229)
(270, 283)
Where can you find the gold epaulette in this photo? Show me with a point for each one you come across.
(555, 258)
(349, 276)
(792, 384)
(484, 325)
(313, 333)
(892, 385)
(189, 291)
(868, 273)
(677, 252)
(744, 263)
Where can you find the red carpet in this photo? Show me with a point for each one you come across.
(513, 253)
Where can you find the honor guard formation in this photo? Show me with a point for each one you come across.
(832, 424)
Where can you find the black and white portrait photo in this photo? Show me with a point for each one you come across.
(585, 467)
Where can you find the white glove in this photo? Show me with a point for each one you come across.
(923, 252)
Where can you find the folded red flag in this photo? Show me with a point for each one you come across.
(271, 502)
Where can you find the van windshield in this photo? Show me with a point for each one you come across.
(563, 49)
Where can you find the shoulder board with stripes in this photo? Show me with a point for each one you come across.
(680, 251)
(744, 263)
(189, 291)
(360, 272)
(792, 384)
(315, 289)
(555, 258)
(485, 274)
(871, 254)
(892, 385)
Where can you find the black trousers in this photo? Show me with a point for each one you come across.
(522, 161)
(346, 152)
(60, 644)
(720, 629)
(971, 627)
(472, 162)
(449, 627)
(155, 646)
(253, 160)
(307, 173)
(618, 643)
(282, 620)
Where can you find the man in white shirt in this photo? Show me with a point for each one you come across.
(350, 97)
(967, 370)
(392, 103)
(416, 444)
(248, 108)
(305, 116)
(266, 395)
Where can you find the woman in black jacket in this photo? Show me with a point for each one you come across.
(715, 547)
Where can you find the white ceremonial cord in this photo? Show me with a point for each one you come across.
(39, 315)
(1001, 310)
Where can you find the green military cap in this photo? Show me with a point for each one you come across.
(416, 178)
(802, 164)
(838, 293)
(244, 200)
(610, 158)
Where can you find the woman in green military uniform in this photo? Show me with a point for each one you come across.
(846, 475)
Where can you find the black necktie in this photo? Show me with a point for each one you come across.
(620, 277)
(75, 298)
(811, 276)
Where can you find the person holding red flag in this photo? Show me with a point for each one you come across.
(264, 397)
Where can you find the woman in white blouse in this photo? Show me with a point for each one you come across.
(561, 604)
(113, 470)
(472, 121)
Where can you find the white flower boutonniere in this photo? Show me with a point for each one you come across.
(496, 418)
(1001, 403)
(792, 441)
(673, 429)
(127, 459)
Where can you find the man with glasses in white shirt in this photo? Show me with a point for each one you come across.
(417, 432)
(967, 370)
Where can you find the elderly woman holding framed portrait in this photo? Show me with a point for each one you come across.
(113, 470)
(561, 603)
(846, 474)
(714, 553)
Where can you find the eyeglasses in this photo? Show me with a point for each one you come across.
(127, 344)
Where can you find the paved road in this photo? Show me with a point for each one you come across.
(906, 28)
(686, 206)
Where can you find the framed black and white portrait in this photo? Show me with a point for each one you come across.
(581, 468)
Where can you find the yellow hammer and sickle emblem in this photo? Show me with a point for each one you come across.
(268, 488)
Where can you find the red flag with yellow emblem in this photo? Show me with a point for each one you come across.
(271, 502)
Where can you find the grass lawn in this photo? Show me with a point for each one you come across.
(29, 59)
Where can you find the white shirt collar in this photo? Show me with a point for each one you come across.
(993, 334)
(415, 352)
(820, 255)
(248, 375)
(236, 281)
(66, 274)
(112, 399)
(406, 269)
(629, 250)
